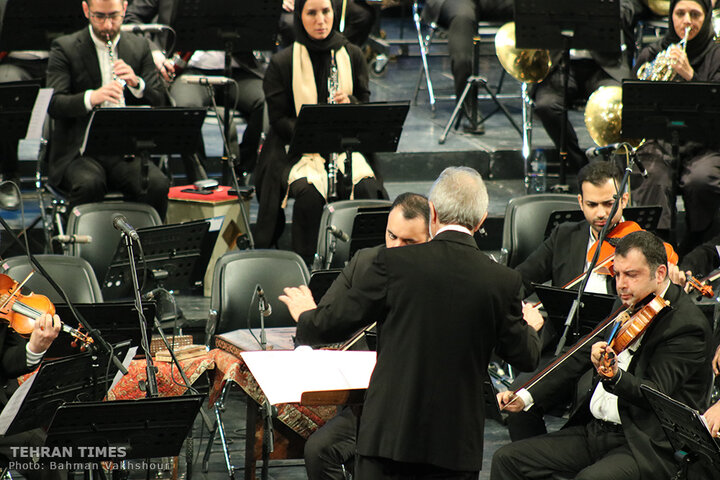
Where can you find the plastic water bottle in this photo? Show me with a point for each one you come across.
(538, 173)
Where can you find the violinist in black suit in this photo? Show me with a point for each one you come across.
(84, 76)
(614, 433)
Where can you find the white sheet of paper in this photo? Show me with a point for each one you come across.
(284, 375)
(126, 363)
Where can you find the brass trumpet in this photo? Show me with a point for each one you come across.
(661, 68)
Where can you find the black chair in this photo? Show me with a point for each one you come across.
(341, 215)
(525, 220)
(95, 219)
(234, 302)
(73, 274)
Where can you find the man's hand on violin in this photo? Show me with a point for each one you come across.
(45, 330)
(533, 317)
(677, 276)
(604, 359)
(510, 402)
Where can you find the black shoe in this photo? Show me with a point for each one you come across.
(9, 198)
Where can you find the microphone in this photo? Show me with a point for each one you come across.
(339, 234)
(205, 79)
(598, 151)
(144, 27)
(263, 304)
(152, 294)
(72, 238)
(121, 223)
(641, 167)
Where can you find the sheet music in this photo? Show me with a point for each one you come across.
(39, 112)
(284, 375)
(87, 132)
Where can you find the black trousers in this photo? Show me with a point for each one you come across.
(88, 179)
(586, 76)
(331, 447)
(250, 103)
(308, 207)
(589, 452)
(374, 468)
(460, 18)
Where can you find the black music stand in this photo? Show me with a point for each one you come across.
(320, 281)
(145, 131)
(232, 27)
(368, 228)
(557, 301)
(34, 24)
(564, 25)
(685, 429)
(70, 379)
(112, 319)
(646, 216)
(146, 428)
(16, 105)
(172, 254)
(347, 128)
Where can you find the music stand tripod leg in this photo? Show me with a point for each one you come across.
(456, 111)
(219, 428)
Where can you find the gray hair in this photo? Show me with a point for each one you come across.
(460, 197)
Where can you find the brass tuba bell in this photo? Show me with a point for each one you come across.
(603, 116)
(524, 64)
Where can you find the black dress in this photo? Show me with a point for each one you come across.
(274, 164)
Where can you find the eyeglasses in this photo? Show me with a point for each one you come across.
(101, 17)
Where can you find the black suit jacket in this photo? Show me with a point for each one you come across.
(308, 331)
(560, 258)
(673, 357)
(73, 68)
(149, 11)
(441, 307)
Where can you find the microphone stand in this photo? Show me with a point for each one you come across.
(232, 160)
(95, 334)
(574, 309)
(150, 387)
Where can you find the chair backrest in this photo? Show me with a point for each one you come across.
(95, 219)
(234, 303)
(341, 214)
(525, 220)
(73, 274)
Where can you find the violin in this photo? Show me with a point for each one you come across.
(21, 311)
(629, 327)
(607, 249)
(703, 289)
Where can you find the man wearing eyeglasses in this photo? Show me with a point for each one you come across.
(99, 67)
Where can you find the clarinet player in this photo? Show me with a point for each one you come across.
(304, 73)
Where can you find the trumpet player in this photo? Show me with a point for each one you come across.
(83, 77)
(699, 170)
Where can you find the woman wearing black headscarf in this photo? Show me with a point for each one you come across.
(699, 180)
(299, 75)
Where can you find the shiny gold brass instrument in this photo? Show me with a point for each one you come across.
(659, 7)
(115, 78)
(603, 116)
(332, 167)
(660, 69)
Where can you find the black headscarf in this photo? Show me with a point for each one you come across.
(698, 47)
(319, 50)
(332, 42)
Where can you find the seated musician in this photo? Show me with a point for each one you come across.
(699, 172)
(86, 73)
(614, 433)
(19, 356)
(332, 448)
(299, 75)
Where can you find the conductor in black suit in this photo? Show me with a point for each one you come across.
(441, 308)
(84, 76)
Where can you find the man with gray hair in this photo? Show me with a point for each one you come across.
(441, 308)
